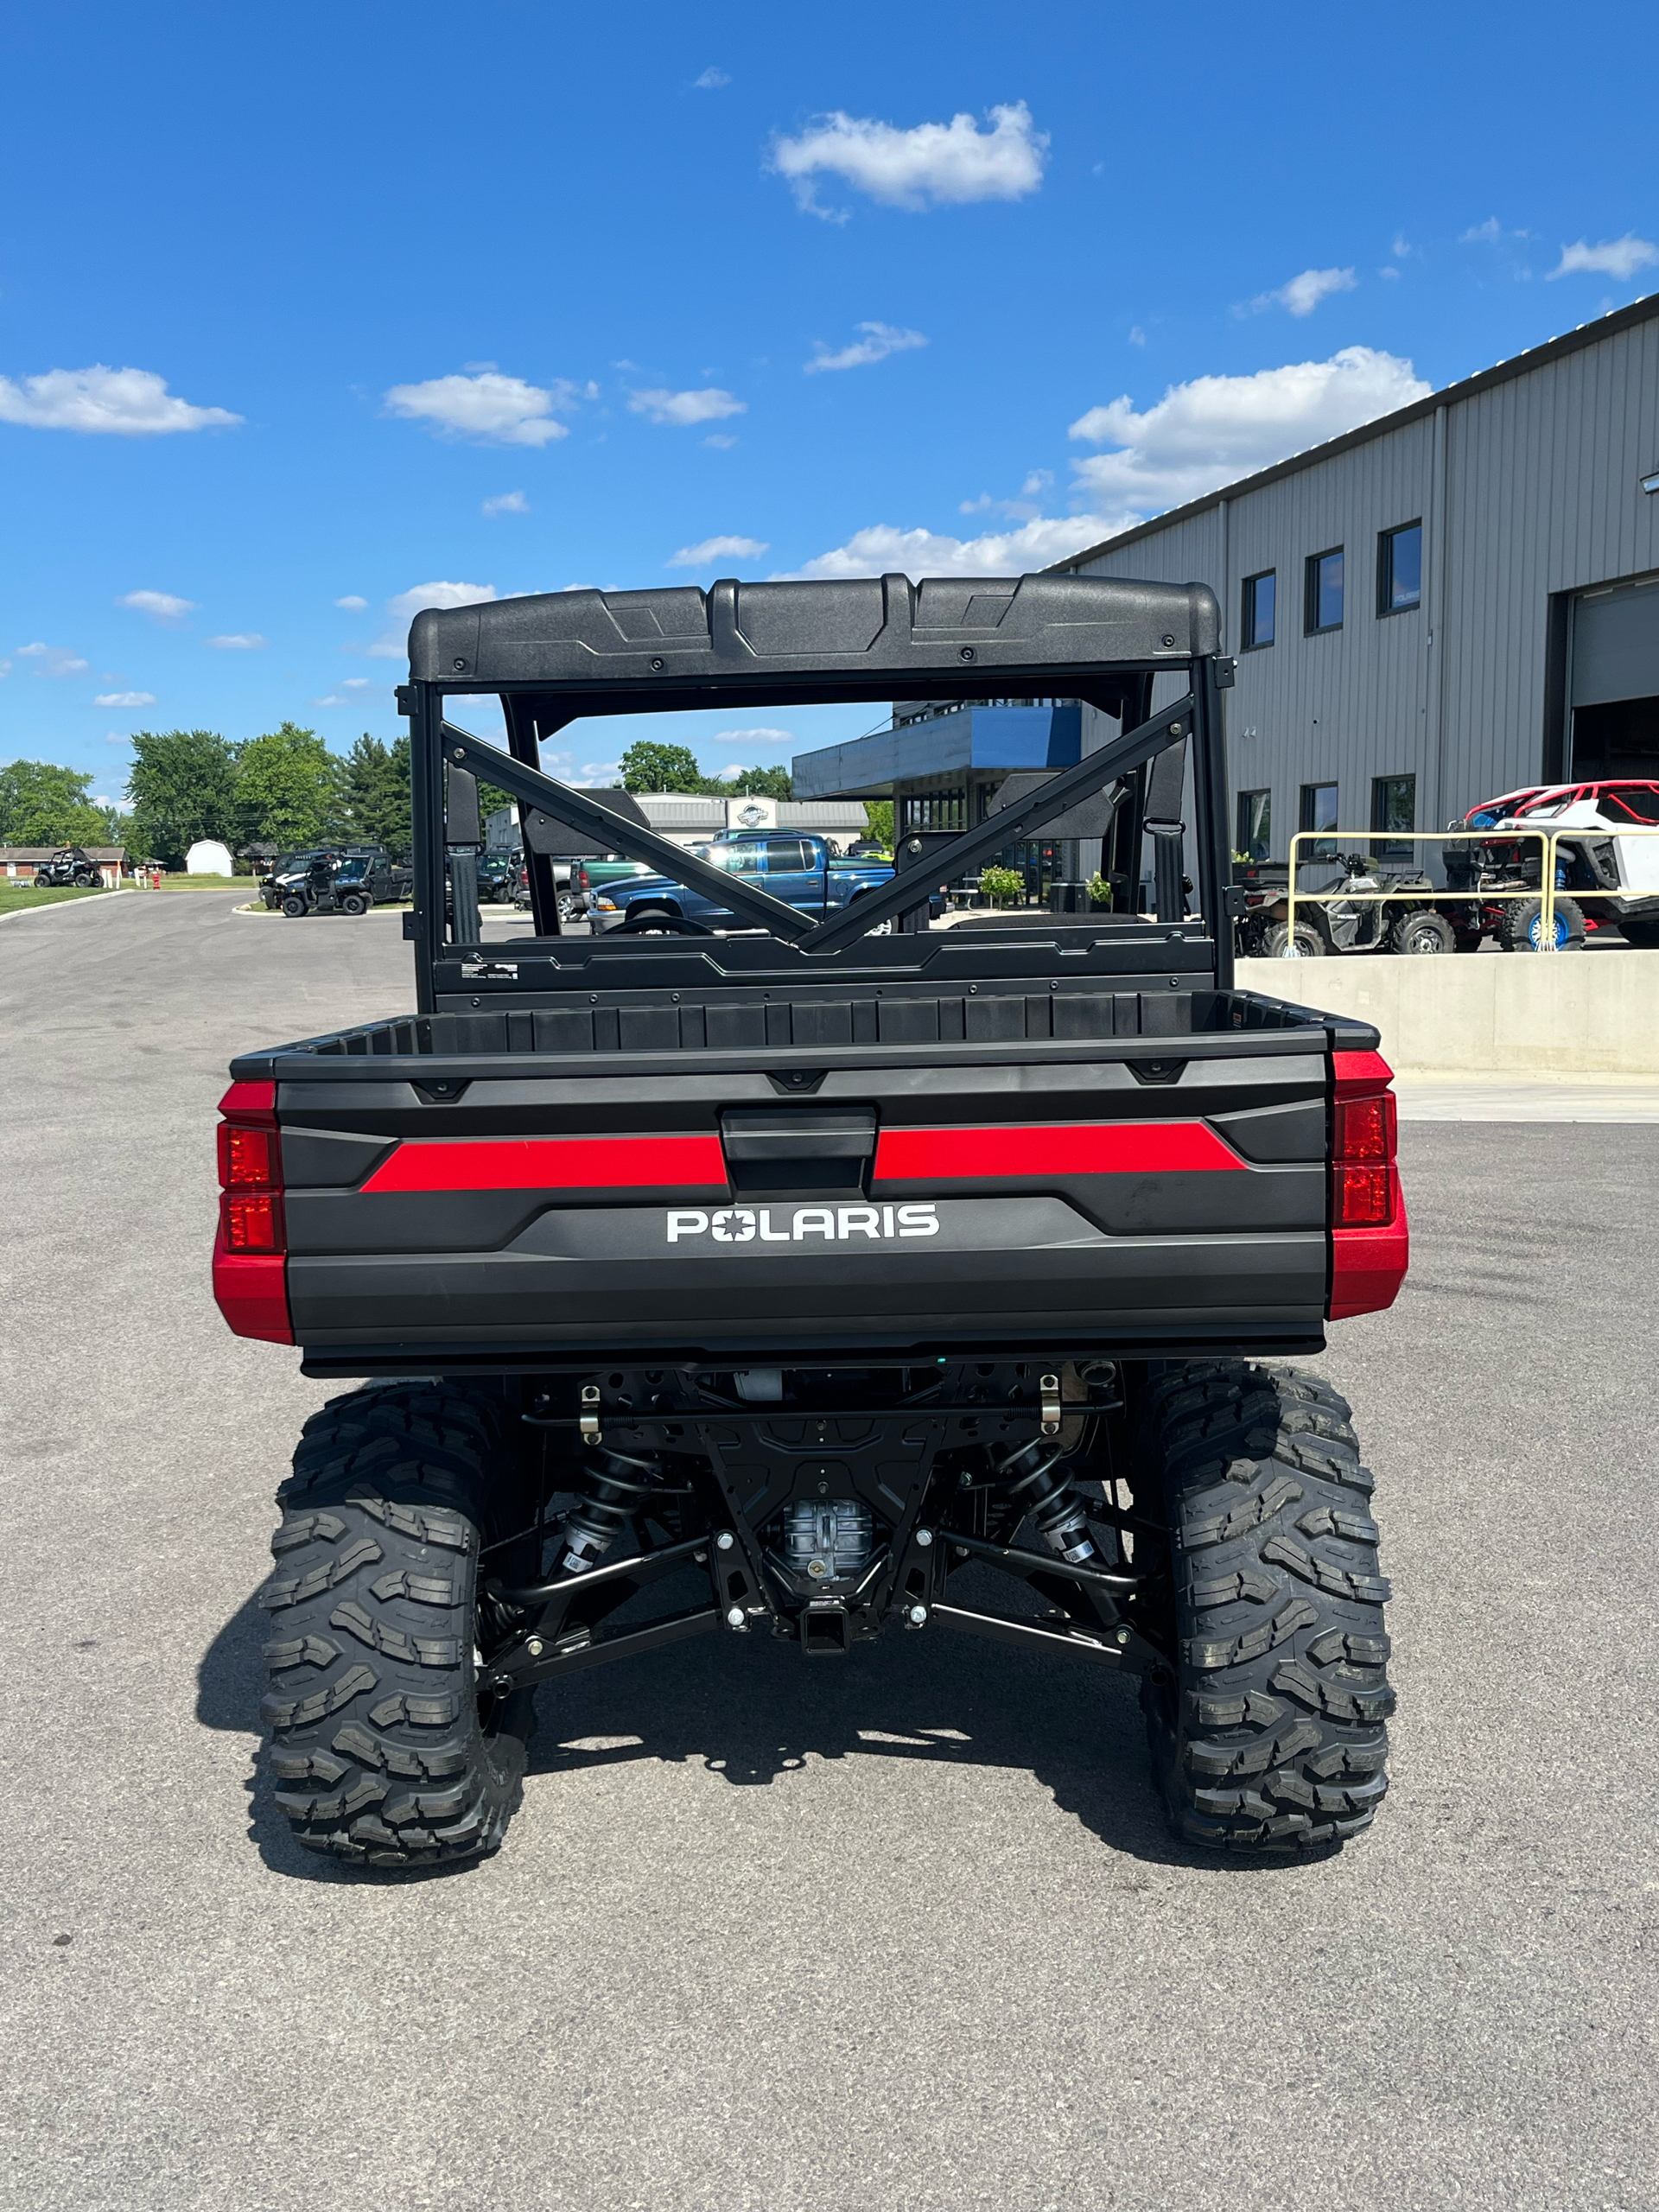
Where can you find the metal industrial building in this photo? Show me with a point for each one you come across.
(1457, 600)
(1454, 600)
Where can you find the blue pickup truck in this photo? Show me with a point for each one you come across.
(800, 870)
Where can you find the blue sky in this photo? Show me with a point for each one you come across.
(520, 296)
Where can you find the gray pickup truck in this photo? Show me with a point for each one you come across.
(799, 1280)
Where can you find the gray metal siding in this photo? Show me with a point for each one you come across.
(1540, 494)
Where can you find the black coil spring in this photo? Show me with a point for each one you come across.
(615, 1482)
(1030, 1471)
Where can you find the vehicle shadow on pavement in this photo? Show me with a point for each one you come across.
(752, 1711)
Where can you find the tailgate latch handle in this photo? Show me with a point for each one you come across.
(1050, 1387)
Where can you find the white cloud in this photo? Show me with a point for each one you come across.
(728, 775)
(881, 549)
(53, 660)
(1215, 430)
(165, 605)
(1486, 234)
(1303, 294)
(1619, 257)
(357, 683)
(116, 737)
(880, 339)
(402, 611)
(489, 408)
(1389, 270)
(710, 549)
(1401, 245)
(331, 701)
(506, 503)
(752, 737)
(601, 774)
(240, 641)
(685, 407)
(352, 603)
(1137, 336)
(123, 402)
(934, 164)
(124, 699)
(711, 81)
(722, 441)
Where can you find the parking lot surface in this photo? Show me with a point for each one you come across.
(904, 1933)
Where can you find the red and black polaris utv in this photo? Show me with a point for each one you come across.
(796, 1279)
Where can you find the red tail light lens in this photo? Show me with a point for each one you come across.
(1366, 1130)
(253, 1221)
(247, 1156)
(1364, 1198)
(1370, 1242)
(250, 1257)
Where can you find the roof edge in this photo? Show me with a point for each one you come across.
(1536, 356)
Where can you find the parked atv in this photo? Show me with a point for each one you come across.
(1359, 919)
(68, 869)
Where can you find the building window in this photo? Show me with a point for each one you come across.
(1318, 812)
(1400, 568)
(1324, 610)
(1254, 824)
(1393, 807)
(1257, 620)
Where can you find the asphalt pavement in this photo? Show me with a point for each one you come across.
(906, 1932)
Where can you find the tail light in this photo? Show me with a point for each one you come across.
(581, 875)
(1369, 1239)
(249, 1253)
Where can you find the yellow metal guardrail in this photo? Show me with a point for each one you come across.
(1356, 839)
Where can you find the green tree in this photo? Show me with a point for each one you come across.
(42, 805)
(760, 782)
(877, 814)
(374, 792)
(649, 766)
(288, 788)
(182, 788)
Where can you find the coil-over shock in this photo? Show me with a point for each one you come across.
(1032, 1473)
(613, 1482)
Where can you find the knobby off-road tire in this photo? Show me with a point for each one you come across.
(1271, 1737)
(382, 1748)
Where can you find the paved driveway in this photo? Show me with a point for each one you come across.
(905, 1933)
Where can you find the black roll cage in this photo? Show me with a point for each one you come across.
(557, 658)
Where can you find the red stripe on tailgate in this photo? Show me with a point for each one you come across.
(553, 1164)
(1051, 1148)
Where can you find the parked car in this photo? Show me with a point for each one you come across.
(569, 881)
(801, 870)
(498, 871)
(70, 869)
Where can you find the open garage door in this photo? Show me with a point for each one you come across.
(1615, 681)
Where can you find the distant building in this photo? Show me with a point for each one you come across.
(1456, 601)
(685, 819)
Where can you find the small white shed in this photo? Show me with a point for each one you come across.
(208, 857)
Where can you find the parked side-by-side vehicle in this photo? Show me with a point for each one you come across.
(811, 1274)
(1606, 878)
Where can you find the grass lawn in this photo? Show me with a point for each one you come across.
(247, 883)
(14, 897)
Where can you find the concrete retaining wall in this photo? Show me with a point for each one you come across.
(1518, 1013)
